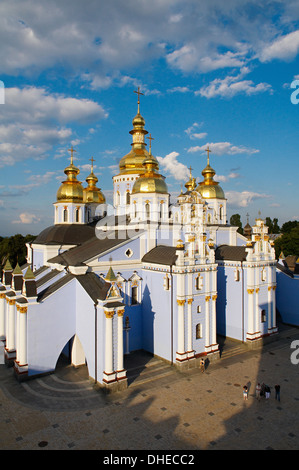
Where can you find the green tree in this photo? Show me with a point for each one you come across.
(236, 221)
(288, 226)
(288, 242)
(272, 225)
(14, 248)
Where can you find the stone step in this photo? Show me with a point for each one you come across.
(153, 371)
(230, 352)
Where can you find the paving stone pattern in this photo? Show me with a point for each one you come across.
(162, 409)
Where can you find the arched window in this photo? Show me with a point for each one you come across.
(65, 215)
(263, 316)
(127, 198)
(77, 215)
(198, 331)
(161, 211)
(117, 198)
(221, 212)
(147, 210)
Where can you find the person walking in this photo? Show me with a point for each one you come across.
(258, 391)
(202, 364)
(277, 392)
(267, 392)
(245, 392)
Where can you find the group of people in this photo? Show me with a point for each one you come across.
(263, 390)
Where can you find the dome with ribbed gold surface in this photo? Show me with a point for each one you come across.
(209, 188)
(132, 163)
(93, 194)
(71, 190)
(150, 181)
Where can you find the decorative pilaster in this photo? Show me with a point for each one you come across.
(21, 365)
(190, 350)
(10, 349)
(2, 316)
(250, 330)
(181, 354)
(121, 372)
(109, 374)
(207, 336)
(257, 314)
(214, 327)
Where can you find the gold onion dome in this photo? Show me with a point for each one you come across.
(92, 193)
(208, 188)
(71, 189)
(132, 162)
(150, 181)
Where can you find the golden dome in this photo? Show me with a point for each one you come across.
(132, 162)
(71, 189)
(92, 193)
(208, 188)
(150, 181)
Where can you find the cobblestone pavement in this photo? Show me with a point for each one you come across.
(162, 409)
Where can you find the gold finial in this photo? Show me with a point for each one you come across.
(92, 160)
(208, 152)
(72, 150)
(138, 102)
(190, 168)
(150, 138)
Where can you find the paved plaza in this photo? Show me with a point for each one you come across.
(162, 409)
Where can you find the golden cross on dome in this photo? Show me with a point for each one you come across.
(208, 151)
(138, 93)
(92, 160)
(190, 171)
(72, 150)
(150, 138)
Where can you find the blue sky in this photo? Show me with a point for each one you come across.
(212, 73)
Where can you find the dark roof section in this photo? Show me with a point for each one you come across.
(161, 254)
(284, 268)
(78, 255)
(54, 287)
(95, 286)
(65, 234)
(40, 270)
(42, 280)
(230, 253)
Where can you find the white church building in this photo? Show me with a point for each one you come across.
(154, 276)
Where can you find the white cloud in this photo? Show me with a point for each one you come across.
(224, 179)
(284, 48)
(233, 85)
(195, 135)
(223, 148)
(26, 218)
(173, 167)
(33, 121)
(244, 198)
(179, 89)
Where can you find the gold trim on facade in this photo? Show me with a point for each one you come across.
(109, 313)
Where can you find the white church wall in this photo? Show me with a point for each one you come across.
(231, 318)
(156, 312)
(51, 324)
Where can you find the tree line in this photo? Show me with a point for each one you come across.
(14, 248)
(287, 240)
